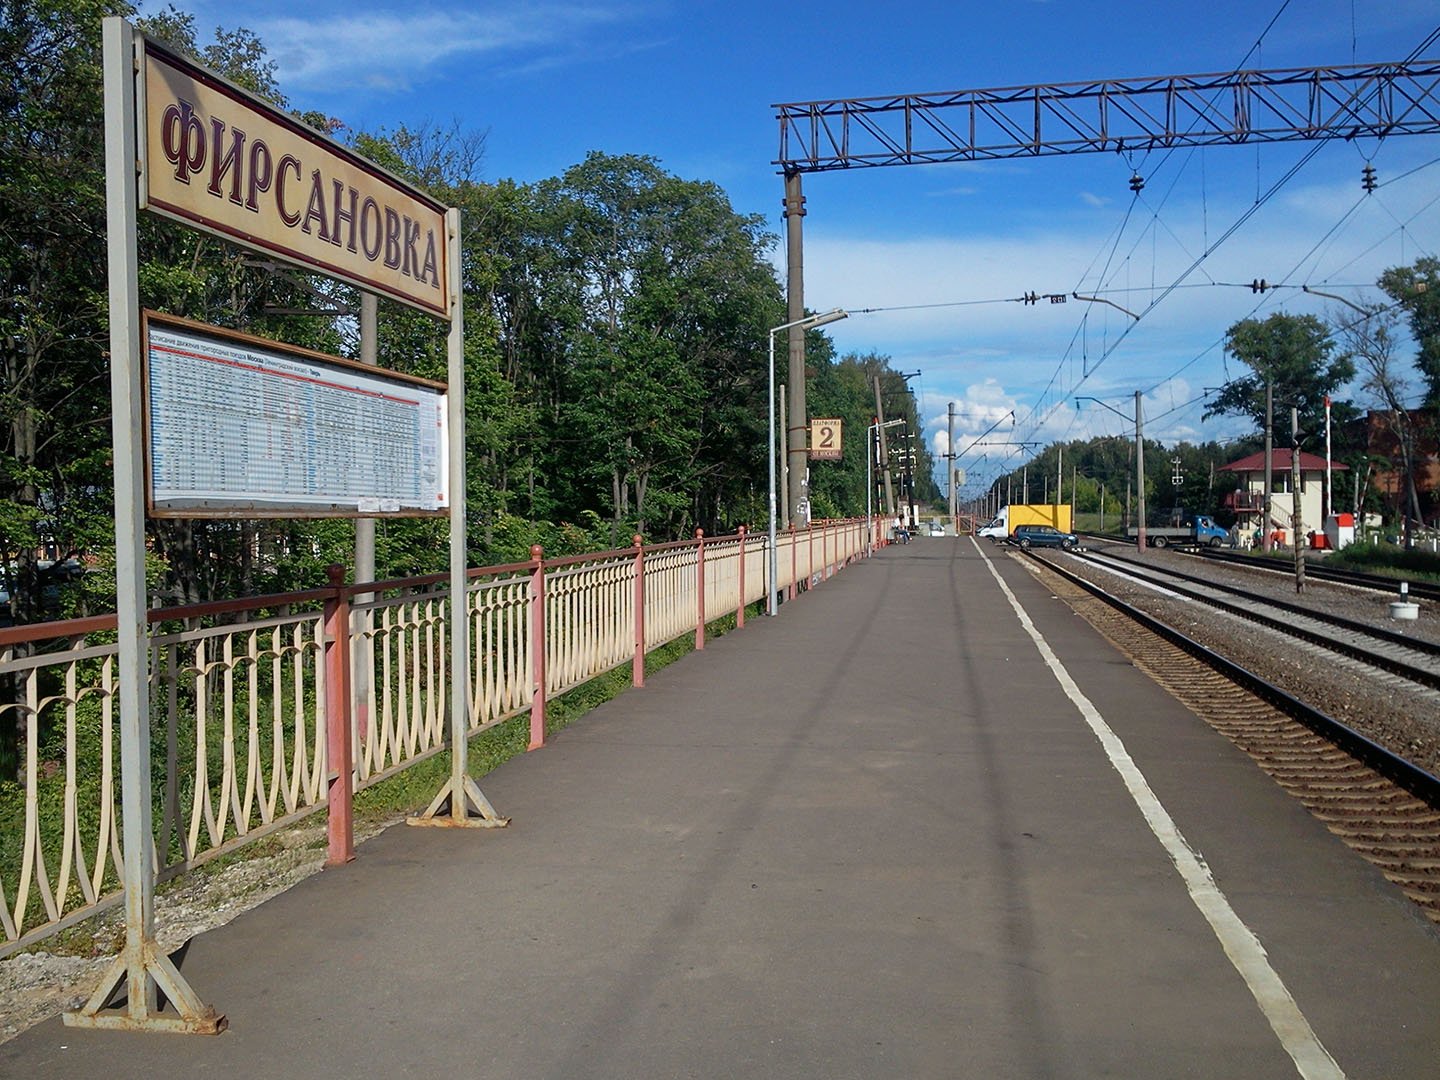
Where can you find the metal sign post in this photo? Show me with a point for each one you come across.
(460, 795)
(142, 969)
(168, 121)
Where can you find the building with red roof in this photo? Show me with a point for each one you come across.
(1248, 498)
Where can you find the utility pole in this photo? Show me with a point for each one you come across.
(1269, 458)
(784, 516)
(950, 459)
(911, 455)
(1059, 473)
(1295, 523)
(1139, 476)
(795, 290)
(1025, 484)
(884, 452)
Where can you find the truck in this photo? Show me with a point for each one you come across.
(1011, 518)
(1182, 530)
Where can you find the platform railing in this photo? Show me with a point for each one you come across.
(240, 696)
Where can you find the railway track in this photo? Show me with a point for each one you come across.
(1384, 807)
(1380, 583)
(1406, 656)
(1376, 582)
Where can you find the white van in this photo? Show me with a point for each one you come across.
(998, 529)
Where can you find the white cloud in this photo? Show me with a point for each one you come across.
(1040, 356)
(392, 50)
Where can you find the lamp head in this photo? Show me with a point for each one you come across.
(834, 315)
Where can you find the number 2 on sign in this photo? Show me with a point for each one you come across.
(825, 439)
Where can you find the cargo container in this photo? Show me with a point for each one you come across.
(1011, 518)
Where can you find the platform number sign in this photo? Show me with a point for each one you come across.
(825, 440)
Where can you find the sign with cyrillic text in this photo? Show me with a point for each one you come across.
(825, 439)
(238, 426)
(217, 158)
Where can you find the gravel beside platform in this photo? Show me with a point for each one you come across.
(1404, 721)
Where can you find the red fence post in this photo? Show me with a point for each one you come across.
(637, 666)
(339, 758)
(740, 610)
(700, 589)
(537, 649)
(824, 551)
(794, 585)
(810, 548)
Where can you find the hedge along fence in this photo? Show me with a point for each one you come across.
(241, 697)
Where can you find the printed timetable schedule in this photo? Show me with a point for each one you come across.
(235, 427)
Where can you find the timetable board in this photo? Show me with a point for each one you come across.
(238, 426)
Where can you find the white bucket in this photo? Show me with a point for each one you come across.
(1404, 609)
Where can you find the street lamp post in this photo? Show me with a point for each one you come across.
(808, 322)
(1140, 463)
(870, 434)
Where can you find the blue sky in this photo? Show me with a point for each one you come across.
(692, 84)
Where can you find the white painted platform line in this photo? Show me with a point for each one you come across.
(1241, 945)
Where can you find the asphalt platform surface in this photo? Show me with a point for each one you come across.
(872, 837)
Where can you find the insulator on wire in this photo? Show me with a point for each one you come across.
(1137, 183)
(1259, 285)
(1029, 298)
(1367, 177)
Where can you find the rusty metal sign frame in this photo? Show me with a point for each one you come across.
(333, 373)
(142, 971)
(214, 157)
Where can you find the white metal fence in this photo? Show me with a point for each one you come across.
(240, 700)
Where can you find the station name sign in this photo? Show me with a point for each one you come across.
(216, 158)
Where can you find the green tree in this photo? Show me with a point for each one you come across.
(1417, 289)
(54, 441)
(655, 296)
(1296, 355)
(1375, 342)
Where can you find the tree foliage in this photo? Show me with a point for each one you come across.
(1417, 289)
(615, 331)
(55, 437)
(1296, 355)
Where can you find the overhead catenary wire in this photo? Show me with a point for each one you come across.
(1034, 414)
(1087, 370)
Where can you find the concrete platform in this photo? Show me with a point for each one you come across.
(872, 837)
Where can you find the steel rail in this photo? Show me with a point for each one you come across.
(1395, 665)
(1420, 783)
(1357, 578)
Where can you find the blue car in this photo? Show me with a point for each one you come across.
(1028, 536)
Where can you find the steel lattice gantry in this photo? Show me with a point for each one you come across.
(1112, 115)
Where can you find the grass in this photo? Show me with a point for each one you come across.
(409, 790)
(415, 787)
(1390, 560)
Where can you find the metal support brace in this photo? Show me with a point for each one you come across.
(142, 969)
(143, 1011)
(466, 804)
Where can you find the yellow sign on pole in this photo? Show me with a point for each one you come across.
(825, 439)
